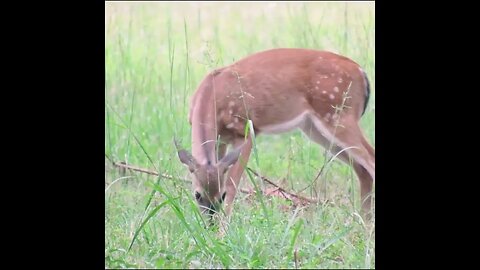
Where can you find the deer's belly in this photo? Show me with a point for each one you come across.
(285, 126)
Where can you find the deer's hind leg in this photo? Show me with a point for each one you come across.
(348, 141)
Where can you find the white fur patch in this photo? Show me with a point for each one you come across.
(285, 126)
(326, 133)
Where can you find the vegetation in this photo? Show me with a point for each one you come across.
(156, 54)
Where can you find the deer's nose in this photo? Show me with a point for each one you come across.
(211, 209)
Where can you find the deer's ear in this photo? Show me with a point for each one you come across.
(230, 159)
(186, 158)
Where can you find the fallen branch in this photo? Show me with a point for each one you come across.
(163, 175)
(138, 169)
(277, 191)
(284, 192)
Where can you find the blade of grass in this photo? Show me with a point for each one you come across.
(130, 125)
(323, 246)
(147, 155)
(259, 194)
(249, 130)
(150, 215)
(198, 236)
(289, 225)
(187, 70)
(296, 231)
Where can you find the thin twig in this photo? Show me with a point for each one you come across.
(109, 158)
(295, 256)
(286, 194)
(138, 169)
(282, 189)
(163, 175)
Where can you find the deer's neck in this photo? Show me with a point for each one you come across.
(204, 127)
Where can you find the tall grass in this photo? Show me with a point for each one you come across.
(156, 53)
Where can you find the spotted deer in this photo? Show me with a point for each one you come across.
(279, 90)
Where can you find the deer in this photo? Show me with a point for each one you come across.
(277, 90)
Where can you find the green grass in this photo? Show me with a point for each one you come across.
(156, 54)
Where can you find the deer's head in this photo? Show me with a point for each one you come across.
(208, 180)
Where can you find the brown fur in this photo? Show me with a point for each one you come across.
(272, 88)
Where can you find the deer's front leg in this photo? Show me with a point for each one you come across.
(235, 173)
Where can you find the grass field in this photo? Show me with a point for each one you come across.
(156, 54)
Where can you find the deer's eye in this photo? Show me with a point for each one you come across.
(197, 196)
(223, 197)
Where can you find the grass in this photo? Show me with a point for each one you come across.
(155, 56)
